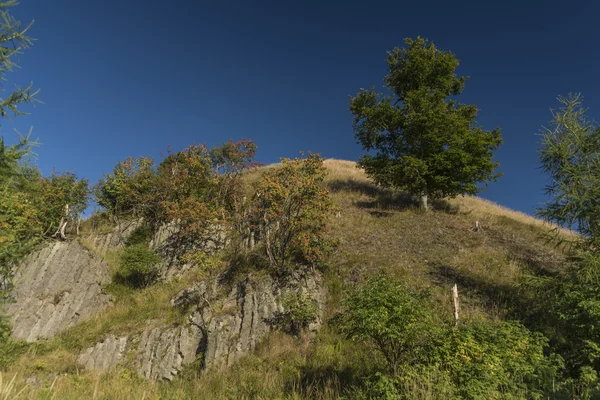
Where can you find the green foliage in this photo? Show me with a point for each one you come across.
(10, 350)
(140, 235)
(10, 161)
(570, 155)
(567, 309)
(289, 212)
(137, 266)
(229, 160)
(395, 319)
(197, 189)
(299, 311)
(123, 192)
(205, 264)
(19, 228)
(476, 361)
(487, 360)
(426, 142)
(13, 39)
(60, 193)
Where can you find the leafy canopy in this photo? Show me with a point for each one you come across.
(425, 142)
(198, 190)
(290, 210)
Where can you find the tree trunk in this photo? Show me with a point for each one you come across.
(423, 199)
(62, 225)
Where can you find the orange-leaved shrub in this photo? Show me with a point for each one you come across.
(289, 213)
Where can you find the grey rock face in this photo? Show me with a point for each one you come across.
(167, 244)
(104, 355)
(234, 325)
(162, 353)
(55, 288)
(105, 242)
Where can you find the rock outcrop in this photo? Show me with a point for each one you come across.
(55, 288)
(102, 243)
(233, 325)
(104, 355)
(162, 353)
(166, 242)
(221, 328)
(61, 285)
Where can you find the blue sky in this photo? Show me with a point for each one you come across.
(131, 77)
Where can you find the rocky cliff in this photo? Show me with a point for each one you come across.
(62, 284)
(55, 288)
(221, 327)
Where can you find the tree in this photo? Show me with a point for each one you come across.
(64, 197)
(289, 212)
(124, 192)
(426, 142)
(196, 189)
(19, 222)
(570, 154)
(13, 40)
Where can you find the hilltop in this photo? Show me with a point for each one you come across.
(378, 231)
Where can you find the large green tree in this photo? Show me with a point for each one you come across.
(425, 141)
(570, 154)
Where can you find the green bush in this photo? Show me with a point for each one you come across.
(10, 349)
(478, 360)
(495, 359)
(396, 320)
(567, 309)
(299, 310)
(137, 266)
(141, 235)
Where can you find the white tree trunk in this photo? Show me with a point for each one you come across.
(62, 225)
(423, 199)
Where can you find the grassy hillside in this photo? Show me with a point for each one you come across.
(378, 232)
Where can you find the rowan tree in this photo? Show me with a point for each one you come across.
(425, 142)
(290, 210)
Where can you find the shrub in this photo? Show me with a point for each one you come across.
(140, 235)
(479, 360)
(126, 191)
(204, 263)
(492, 360)
(10, 349)
(299, 311)
(395, 319)
(290, 211)
(137, 266)
(567, 309)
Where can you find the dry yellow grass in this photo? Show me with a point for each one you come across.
(485, 209)
(382, 230)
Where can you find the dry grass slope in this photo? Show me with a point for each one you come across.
(378, 231)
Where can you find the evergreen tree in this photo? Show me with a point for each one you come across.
(570, 154)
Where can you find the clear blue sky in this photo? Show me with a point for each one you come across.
(131, 77)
